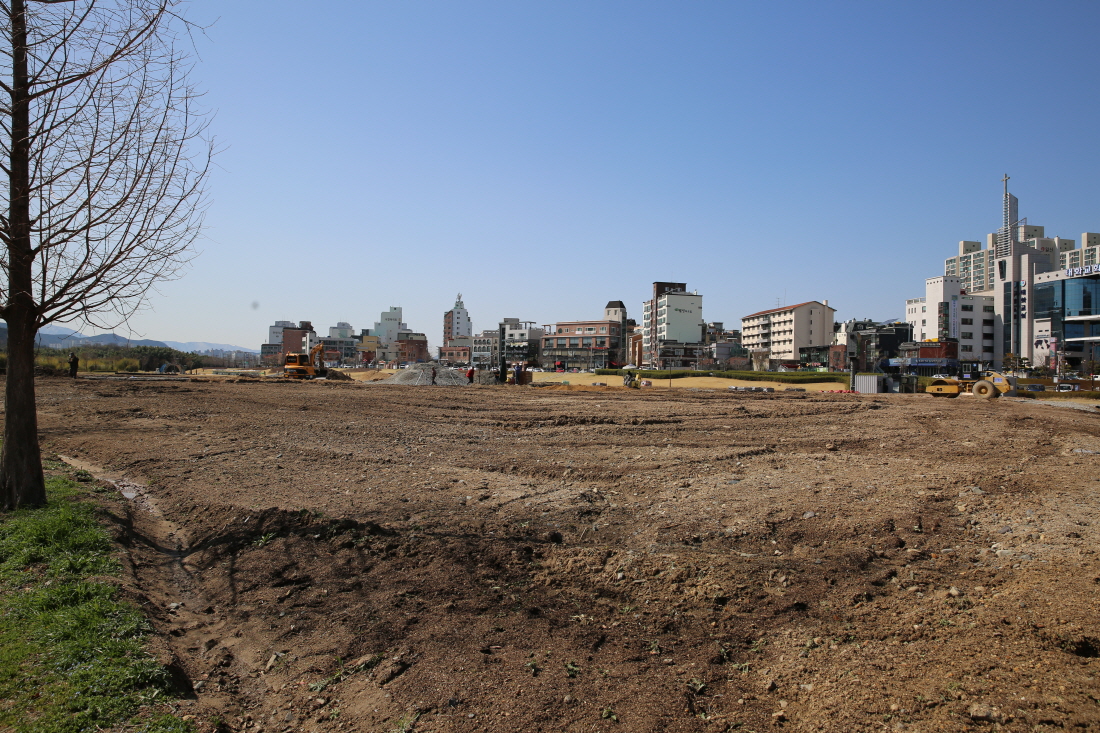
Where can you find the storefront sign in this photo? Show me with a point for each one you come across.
(1086, 270)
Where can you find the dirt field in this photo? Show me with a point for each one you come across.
(355, 557)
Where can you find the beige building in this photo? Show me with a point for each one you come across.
(783, 331)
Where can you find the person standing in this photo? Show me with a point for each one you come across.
(470, 375)
(433, 375)
(74, 362)
(518, 370)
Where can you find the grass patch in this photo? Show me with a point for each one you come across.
(72, 656)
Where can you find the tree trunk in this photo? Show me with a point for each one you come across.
(21, 479)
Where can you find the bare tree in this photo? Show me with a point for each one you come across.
(106, 156)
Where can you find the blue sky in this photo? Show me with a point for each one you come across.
(546, 157)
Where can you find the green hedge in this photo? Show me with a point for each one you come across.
(786, 377)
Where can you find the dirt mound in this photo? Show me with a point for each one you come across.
(532, 560)
(420, 375)
(335, 375)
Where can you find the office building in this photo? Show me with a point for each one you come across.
(672, 322)
(947, 312)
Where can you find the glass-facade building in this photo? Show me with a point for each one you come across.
(1063, 301)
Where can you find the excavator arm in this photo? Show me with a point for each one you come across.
(317, 357)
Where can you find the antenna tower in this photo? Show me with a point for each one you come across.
(1010, 219)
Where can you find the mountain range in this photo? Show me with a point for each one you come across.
(62, 337)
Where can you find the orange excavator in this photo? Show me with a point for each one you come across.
(306, 366)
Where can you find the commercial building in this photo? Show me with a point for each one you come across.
(1001, 279)
(596, 344)
(412, 347)
(279, 342)
(1066, 310)
(275, 333)
(519, 341)
(455, 355)
(672, 317)
(456, 323)
(929, 357)
(864, 345)
(831, 358)
(483, 354)
(947, 312)
(368, 348)
(781, 332)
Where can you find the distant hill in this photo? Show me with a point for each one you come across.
(196, 346)
(62, 338)
(113, 338)
(60, 331)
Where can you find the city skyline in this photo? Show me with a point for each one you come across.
(544, 159)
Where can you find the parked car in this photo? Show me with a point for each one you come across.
(1067, 387)
(1035, 387)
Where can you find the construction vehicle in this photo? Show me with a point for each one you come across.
(987, 386)
(306, 366)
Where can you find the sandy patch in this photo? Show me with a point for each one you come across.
(612, 380)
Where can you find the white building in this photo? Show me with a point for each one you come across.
(948, 311)
(275, 333)
(389, 326)
(456, 323)
(672, 315)
(783, 331)
(341, 330)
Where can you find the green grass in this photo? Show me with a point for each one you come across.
(72, 655)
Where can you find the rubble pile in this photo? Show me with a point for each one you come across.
(420, 375)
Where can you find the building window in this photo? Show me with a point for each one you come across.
(987, 308)
(923, 308)
(923, 323)
(968, 307)
(603, 329)
(966, 335)
(966, 347)
(967, 321)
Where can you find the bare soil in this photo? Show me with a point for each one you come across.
(356, 557)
